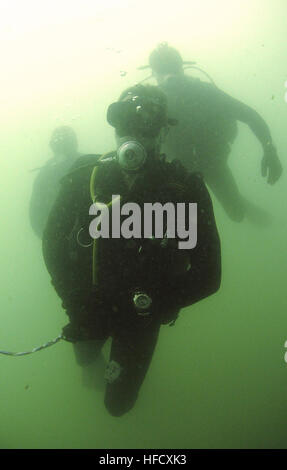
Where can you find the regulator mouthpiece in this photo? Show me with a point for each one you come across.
(131, 155)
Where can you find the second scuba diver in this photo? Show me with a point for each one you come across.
(207, 127)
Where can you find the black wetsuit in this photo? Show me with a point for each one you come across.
(207, 126)
(45, 190)
(173, 278)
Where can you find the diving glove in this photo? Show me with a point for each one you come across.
(271, 165)
(73, 333)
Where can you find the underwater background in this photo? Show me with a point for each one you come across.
(218, 378)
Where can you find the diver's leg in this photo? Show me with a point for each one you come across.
(87, 352)
(131, 354)
(89, 356)
(222, 183)
(256, 215)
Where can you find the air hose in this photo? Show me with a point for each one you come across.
(39, 348)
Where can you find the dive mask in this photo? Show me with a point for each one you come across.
(137, 115)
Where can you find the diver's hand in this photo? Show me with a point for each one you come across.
(270, 165)
(88, 321)
(73, 332)
(70, 333)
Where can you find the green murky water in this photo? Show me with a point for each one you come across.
(218, 377)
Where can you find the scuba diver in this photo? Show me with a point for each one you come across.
(207, 127)
(64, 146)
(127, 287)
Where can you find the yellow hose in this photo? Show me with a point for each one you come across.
(93, 197)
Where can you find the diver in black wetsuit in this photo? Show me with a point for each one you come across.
(206, 130)
(64, 146)
(125, 288)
